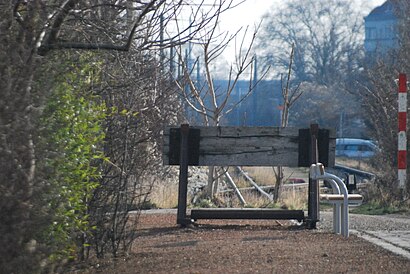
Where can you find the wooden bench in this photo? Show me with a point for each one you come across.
(247, 146)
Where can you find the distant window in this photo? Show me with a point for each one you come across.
(370, 33)
(388, 31)
(352, 147)
(365, 148)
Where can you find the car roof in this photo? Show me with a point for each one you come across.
(353, 141)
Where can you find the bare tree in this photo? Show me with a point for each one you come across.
(328, 54)
(211, 103)
(290, 96)
(143, 100)
(378, 93)
(31, 32)
(327, 35)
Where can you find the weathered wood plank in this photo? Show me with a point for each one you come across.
(247, 146)
(250, 159)
(239, 132)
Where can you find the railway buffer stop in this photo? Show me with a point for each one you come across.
(248, 146)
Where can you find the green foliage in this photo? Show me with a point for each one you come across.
(376, 208)
(325, 207)
(275, 205)
(205, 203)
(73, 119)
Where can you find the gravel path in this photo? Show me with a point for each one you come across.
(391, 232)
(258, 246)
(369, 222)
(356, 221)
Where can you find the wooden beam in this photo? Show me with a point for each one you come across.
(246, 146)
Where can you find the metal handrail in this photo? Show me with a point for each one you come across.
(317, 173)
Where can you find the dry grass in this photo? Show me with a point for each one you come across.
(252, 199)
(165, 195)
(295, 198)
(241, 182)
(262, 175)
(290, 199)
(361, 164)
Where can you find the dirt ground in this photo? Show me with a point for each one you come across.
(226, 246)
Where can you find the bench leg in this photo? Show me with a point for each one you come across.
(336, 218)
(345, 219)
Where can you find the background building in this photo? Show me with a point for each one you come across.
(380, 31)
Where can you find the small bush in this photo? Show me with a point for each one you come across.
(382, 198)
(375, 208)
(205, 203)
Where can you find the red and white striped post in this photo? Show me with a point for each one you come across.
(402, 136)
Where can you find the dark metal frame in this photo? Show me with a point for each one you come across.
(309, 151)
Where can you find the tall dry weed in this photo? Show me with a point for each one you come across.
(262, 175)
(165, 195)
(362, 164)
(295, 198)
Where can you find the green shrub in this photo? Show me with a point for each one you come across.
(73, 120)
(376, 208)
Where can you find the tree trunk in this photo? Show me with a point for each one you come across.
(209, 189)
(278, 183)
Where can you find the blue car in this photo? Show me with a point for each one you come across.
(355, 148)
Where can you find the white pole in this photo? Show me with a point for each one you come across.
(402, 134)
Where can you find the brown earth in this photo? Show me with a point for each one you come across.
(227, 246)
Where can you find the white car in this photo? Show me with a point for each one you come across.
(355, 148)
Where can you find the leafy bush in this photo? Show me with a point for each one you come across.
(375, 208)
(73, 120)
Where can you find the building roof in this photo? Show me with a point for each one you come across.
(383, 12)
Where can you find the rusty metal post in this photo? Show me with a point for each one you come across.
(313, 197)
(183, 177)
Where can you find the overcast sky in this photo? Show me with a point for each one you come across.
(250, 12)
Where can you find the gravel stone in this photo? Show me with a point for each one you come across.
(368, 222)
